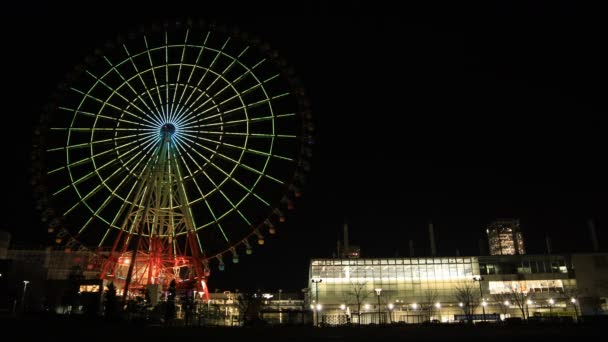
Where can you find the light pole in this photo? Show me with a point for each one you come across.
(280, 315)
(378, 291)
(551, 302)
(390, 315)
(573, 301)
(25, 282)
(316, 281)
(483, 303)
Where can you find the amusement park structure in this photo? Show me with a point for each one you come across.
(171, 150)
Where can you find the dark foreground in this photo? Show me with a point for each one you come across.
(51, 329)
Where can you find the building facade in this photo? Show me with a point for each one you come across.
(505, 238)
(447, 289)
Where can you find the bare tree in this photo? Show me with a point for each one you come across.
(356, 295)
(249, 306)
(429, 297)
(468, 297)
(572, 295)
(502, 299)
(519, 298)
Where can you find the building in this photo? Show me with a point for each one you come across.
(447, 289)
(64, 281)
(505, 238)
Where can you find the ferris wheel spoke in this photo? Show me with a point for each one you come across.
(236, 109)
(92, 129)
(179, 72)
(97, 115)
(238, 94)
(113, 194)
(237, 164)
(88, 175)
(198, 57)
(252, 135)
(125, 81)
(87, 159)
(115, 91)
(85, 225)
(240, 148)
(217, 55)
(160, 100)
(229, 176)
(235, 82)
(200, 245)
(216, 220)
(192, 176)
(106, 103)
(249, 191)
(86, 145)
(167, 75)
(141, 79)
(218, 77)
(243, 121)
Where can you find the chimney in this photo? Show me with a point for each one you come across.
(432, 239)
(346, 249)
(482, 247)
(548, 243)
(411, 248)
(594, 242)
(457, 252)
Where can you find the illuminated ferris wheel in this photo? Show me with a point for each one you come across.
(173, 148)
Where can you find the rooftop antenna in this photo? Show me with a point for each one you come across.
(594, 242)
(432, 239)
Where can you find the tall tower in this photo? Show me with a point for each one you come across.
(505, 237)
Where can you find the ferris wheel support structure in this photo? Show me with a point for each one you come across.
(161, 212)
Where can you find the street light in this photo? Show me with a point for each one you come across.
(390, 308)
(528, 303)
(483, 307)
(573, 301)
(25, 282)
(378, 291)
(280, 314)
(551, 302)
(316, 281)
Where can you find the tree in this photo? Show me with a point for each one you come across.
(170, 308)
(356, 295)
(250, 306)
(519, 298)
(188, 307)
(572, 295)
(110, 307)
(71, 295)
(467, 294)
(427, 306)
(501, 298)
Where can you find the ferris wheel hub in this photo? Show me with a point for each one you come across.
(167, 128)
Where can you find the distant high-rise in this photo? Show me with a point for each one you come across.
(505, 238)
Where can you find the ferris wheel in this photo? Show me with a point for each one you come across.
(171, 150)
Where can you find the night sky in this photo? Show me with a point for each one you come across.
(459, 115)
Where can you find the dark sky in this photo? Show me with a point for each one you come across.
(456, 114)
